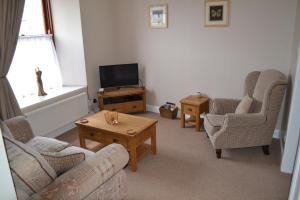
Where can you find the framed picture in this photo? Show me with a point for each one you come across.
(159, 16)
(217, 13)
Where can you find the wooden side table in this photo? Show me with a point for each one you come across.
(194, 106)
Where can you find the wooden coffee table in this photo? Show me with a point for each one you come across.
(132, 132)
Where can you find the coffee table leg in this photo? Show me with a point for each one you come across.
(81, 132)
(133, 159)
(182, 120)
(153, 139)
(82, 141)
(198, 121)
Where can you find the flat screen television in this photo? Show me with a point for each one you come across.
(119, 75)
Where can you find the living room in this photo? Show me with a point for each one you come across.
(187, 55)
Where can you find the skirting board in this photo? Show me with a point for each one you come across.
(155, 109)
(151, 108)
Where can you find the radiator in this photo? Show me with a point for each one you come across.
(59, 117)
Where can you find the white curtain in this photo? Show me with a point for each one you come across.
(33, 52)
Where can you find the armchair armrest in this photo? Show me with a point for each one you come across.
(223, 106)
(86, 177)
(240, 120)
(20, 128)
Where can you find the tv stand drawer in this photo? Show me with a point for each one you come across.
(127, 107)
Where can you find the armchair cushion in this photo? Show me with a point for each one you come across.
(244, 106)
(84, 179)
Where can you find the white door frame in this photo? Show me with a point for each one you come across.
(295, 187)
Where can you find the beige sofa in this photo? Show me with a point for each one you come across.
(229, 130)
(45, 168)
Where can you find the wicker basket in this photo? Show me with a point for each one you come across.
(168, 113)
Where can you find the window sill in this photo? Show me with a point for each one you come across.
(33, 102)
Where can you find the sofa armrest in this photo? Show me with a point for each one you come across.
(223, 106)
(86, 177)
(244, 120)
(215, 120)
(20, 128)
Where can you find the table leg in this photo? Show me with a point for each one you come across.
(182, 120)
(198, 121)
(153, 139)
(82, 141)
(133, 159)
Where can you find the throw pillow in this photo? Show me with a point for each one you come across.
(64, 160)
(244, 106)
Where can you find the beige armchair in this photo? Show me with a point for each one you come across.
(87, 175)
(228, 130)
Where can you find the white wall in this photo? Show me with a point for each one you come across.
(98, 26)
(187, 57)
(69, 41)
(7, 189)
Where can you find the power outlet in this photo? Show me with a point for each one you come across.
(93, 106)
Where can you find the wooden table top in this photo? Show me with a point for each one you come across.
(194, 100)
(131, 123)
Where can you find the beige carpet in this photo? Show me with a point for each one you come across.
(186, 168)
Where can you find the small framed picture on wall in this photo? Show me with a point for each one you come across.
(217, 13)
(159, 16)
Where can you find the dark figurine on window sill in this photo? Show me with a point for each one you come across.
(39, 81)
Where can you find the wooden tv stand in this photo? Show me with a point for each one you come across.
(124, 100)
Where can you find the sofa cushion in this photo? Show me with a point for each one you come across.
(64, 160)
(244, 106)
(44, 144)
(30, 171)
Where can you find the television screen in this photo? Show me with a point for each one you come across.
(119, 75)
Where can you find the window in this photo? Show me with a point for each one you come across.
(33, 18)
(35, 48)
